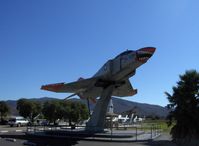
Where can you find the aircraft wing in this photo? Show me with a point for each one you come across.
(125, 90)
(73, 87)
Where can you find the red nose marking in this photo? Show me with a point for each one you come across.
(148, 49)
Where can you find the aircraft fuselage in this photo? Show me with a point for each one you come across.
(117, 70)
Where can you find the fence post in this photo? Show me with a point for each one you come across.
(111, 134)
(34, 128)
(136, 133)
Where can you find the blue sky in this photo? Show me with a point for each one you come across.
(48, 41)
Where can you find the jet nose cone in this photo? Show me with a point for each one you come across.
(147, 49)
(144, 54)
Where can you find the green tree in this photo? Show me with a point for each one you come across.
(77, 112)
(84, 113)
(67, 110)
(184, 107)
(74, 111)
(28, 108)
(4, 109)
(52, 111)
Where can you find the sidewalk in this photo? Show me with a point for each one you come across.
(163, 140)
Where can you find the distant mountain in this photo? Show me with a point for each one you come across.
(142, 109)
(120, 106)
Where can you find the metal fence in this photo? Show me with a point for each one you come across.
(115, 133)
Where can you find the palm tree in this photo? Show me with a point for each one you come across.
(184, 107)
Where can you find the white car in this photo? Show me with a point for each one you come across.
(17, 121)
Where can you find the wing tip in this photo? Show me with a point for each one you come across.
(52, 87)
(133, 92)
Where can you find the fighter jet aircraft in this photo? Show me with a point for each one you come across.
(115, 72)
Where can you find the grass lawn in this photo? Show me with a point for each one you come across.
(162, 124)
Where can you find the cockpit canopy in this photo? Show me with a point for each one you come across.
(125, 53)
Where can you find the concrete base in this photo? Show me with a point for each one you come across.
(116, 136)
(97, 119)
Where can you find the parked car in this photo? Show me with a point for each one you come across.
(42, 122)
(17, 121)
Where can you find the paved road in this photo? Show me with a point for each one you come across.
(7, 128)
(163, 140)
(7, 142)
